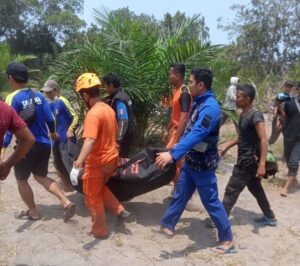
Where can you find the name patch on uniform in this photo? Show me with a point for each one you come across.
(206, 122)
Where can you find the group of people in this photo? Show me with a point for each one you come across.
(198, 145)
(191, 137)
(54, 122)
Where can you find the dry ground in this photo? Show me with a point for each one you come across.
(50, 241)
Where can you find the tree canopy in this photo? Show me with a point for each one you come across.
(266, 35)
(39, 26)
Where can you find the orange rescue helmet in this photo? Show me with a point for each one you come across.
(87, 81)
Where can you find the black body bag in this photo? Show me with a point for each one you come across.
(139, 175)
(134, 177)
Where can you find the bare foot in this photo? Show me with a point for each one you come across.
(284, 192)
(29, 215)
(166, 231)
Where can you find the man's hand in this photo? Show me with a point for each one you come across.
(78, 164)
(166, 137)
(261, 171)
(222, 152)
(4, 170)
(278, 123)
(163, 159)
(54, 136)
(225, 147)
(273, 110)
(70, 133)
(2, 154)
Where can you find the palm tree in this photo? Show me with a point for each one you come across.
(139, 56)
(6, 58)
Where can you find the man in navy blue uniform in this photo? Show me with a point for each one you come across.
(120, 101)
(199, 146)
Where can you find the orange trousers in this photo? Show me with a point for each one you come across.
(170, 145)
(98, 196)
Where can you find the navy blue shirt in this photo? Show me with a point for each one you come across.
(200, 139)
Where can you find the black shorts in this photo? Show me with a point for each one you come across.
(36, 162)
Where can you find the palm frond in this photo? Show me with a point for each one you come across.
(141, 60)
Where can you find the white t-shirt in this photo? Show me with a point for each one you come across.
(230, 99)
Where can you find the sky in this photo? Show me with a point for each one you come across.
(210, 9)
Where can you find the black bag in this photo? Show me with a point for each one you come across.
(139, 175)
(134, 177)
(64, 156)
(28, 114)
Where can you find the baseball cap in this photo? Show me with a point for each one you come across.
(289, 83)
(18, 71)
(50, 85)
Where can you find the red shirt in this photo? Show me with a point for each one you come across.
(9, 120)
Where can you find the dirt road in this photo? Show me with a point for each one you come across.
(50, 241)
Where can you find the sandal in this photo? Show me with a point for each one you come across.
(266, 221)
(224, 250)
(69, 211)
(25, 215)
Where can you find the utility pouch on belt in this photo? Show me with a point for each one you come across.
(201, 147)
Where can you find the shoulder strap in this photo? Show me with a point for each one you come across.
(32, 94)
(185, 88)
(297, 104)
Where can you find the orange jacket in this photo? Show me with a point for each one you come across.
(176, 108)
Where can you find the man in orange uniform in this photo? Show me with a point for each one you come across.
(180, 109)
(99, 153)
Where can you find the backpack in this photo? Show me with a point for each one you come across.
(28, 114)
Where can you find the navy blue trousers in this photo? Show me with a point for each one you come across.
(206, 184)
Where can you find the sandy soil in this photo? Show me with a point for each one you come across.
(50, 241)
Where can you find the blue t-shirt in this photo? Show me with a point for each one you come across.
(65, 117)
(19, 100)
